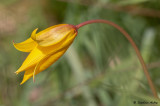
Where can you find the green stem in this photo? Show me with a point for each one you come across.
(133, 45)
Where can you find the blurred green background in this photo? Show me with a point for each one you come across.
(99, 69)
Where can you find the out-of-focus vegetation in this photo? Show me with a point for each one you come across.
(99, 69)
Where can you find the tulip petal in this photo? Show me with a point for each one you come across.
(54, 35)
(47, 61)
(48, 29)
(33, 58)
(33, 35)
(35, 70)
(51, 59)
(52, 41)
(25, 46)
(44, 64)
(28, 74)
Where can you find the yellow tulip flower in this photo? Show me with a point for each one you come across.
(45, 48)
(50, 44)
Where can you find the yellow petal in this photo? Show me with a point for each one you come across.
(25, 46)
(48, 29)
(35, 70)
(32, 59)
(33, 35)
(47, 61)
(28, 74)
(51, 59)
(55, 35)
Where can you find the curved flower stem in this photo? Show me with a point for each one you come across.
(133, 45)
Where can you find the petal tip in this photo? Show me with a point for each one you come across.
(33, 80)
(21, 83)
(16, 73)
(13, 43)
(33, 35)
